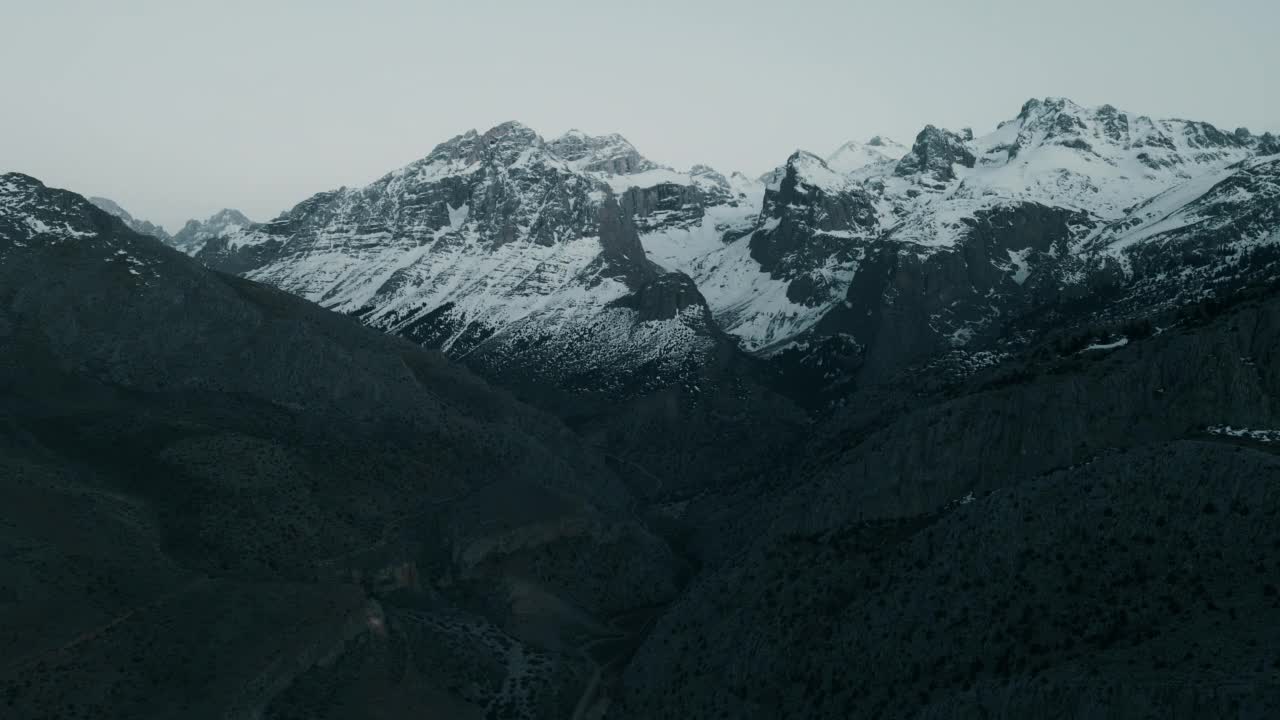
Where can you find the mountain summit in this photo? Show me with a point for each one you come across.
(854, 155)
(143, 226)
(192, 237)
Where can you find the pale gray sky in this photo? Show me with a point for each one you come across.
(177, 108)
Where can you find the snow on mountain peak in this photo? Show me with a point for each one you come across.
(511, 129)
(855, 155)
(112, 207)
(31, 211)
(610, 153)
(1101, 158)
(509, 143)
(192, 237)
(770, 256)
(812, 171)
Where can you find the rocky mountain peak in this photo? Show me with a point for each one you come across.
(30, 210)
(934, 153)
(1267, 144)
(610, 153)
(12, 182)
(112, 207)
(807, 170)
(705, 175)
(225, 216)
(855, 155)
(193, 236)
(143, 226)
(1049, 106)
(230, 215)
(508, 142)
(1063, 122)
(1060, 121)
(807, 224)
(459, 148)
(1062, 115)
(510, 131)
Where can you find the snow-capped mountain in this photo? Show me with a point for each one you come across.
(522, 258)
(771, 266)
(509, 250)
(192, 237)
(143, 226)
(247, 456)
(610, 154)
(495, 247)
(1200, 240)
(900, 258)
(855, 155)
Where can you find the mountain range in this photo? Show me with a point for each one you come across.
(577, 272)
(985, 425)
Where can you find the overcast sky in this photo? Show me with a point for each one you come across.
(176, 109)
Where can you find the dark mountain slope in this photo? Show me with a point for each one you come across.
(1140, 584)
(210, 486)
(1076, 533)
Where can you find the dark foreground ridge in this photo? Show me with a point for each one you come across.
(219, 500)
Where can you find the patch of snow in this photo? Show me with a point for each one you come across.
(1107, 346)
(813, 171)
(961, 337)
(855, 155)
(677, 248)
(646, 179)
(1021, 271)
(38, 226)
(458, 215)
(750, 303)
(1265, 436)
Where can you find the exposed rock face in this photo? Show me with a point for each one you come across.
(811, 224)
(935, 153)
(904, 307)
(667, 203)
(245, 458)
(665, 297)
(1267, 144)
(142, 226)
(608, 153)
